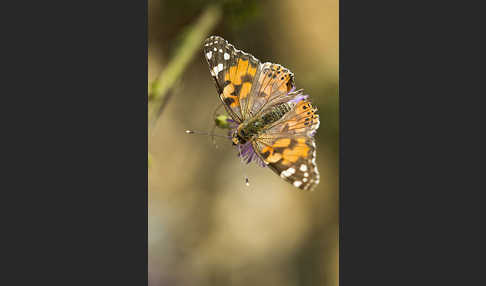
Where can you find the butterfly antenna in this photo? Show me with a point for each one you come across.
(205, 133)
(216, 109)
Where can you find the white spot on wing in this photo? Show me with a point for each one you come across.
(220, 50)
(209, 54)
(297, 183)
(226, 56)
(304, 180)
(220, 67)
(306, 174)
(215, 71)
(303, 167)
(215, 49)
(287, 172)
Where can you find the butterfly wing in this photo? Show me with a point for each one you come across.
(274, 84)
(248, 88)
(288, 147)
(234, 73)
(301, 120)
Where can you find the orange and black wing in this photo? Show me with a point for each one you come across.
(288, 147)
(274, 84)
(234, 73)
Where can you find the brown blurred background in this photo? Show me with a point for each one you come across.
(205, 226)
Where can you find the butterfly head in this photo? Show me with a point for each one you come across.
(238, 136)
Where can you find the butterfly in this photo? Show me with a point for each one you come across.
(271, 122)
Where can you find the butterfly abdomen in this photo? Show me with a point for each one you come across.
(275, 113)
(253, 127)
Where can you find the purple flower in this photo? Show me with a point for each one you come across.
(248, 154)
(298, 98)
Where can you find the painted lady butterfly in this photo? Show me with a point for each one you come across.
(272, 123)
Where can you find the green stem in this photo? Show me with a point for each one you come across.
(159, 91)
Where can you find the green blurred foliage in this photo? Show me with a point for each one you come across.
(239, 12)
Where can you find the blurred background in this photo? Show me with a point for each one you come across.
(206, 227)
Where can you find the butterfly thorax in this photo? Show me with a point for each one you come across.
(254, 126)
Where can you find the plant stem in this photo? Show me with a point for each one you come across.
(160, 90)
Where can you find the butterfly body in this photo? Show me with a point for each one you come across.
(272, 123)
(254, 126)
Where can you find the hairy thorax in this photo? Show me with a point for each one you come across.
(252, 127)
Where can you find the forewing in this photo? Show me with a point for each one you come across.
(273, 85)
(234, 73)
